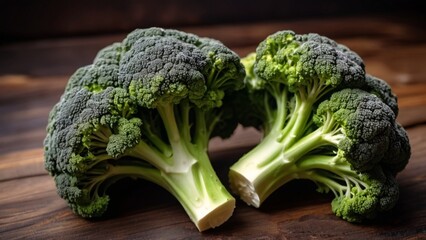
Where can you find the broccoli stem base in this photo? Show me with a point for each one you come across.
(194, 183)
(204, 198)
(246, 176)
(254, 187)
(272, 163)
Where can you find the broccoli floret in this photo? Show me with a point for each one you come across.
(381, 89)
(102, 73)
(146, 108)
(322, 119)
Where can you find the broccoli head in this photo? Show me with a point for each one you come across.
(324, 119)
(146, 108)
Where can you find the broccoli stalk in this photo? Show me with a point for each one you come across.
(338, 147)
(146, 108)
(184, 168)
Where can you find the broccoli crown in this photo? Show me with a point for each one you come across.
(372, 144)
(88, 130)
(323, 119)
(364, 120)
(306, 60)
(146, 108)
(163, 66)
(381, 89)
(163, 69)
(292, 73)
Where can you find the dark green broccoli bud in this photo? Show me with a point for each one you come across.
(79, 76)
(314, 37)
(139, 34)
(365, 121)
(146, 108)
(163, 69)
(221, 84)
(61, 123)
(128, 134)
(101, 74)
(80, 200)
(110, 55)
(382, 89)
(399, 151)
(198, 70)
(220, 76)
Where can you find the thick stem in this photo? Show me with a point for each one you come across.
(204, 198)
(189, 175)
(254, 189)
(268, 166)
(180, 148)
(251, 176)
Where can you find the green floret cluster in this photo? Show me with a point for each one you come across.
(323, 119)
(147, 107)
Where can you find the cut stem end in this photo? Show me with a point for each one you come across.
(217, 216)
(244, 188)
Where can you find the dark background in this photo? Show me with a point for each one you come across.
(28, 20)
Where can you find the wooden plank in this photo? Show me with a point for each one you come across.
(369, 36)
(22, 164)
(25, 103)
(30, 207)
(412, 103)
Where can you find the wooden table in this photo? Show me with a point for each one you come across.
(33, 75)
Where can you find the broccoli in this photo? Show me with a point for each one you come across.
(323, 119)
(146, 108)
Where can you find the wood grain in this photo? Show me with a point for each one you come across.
(33, 76)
